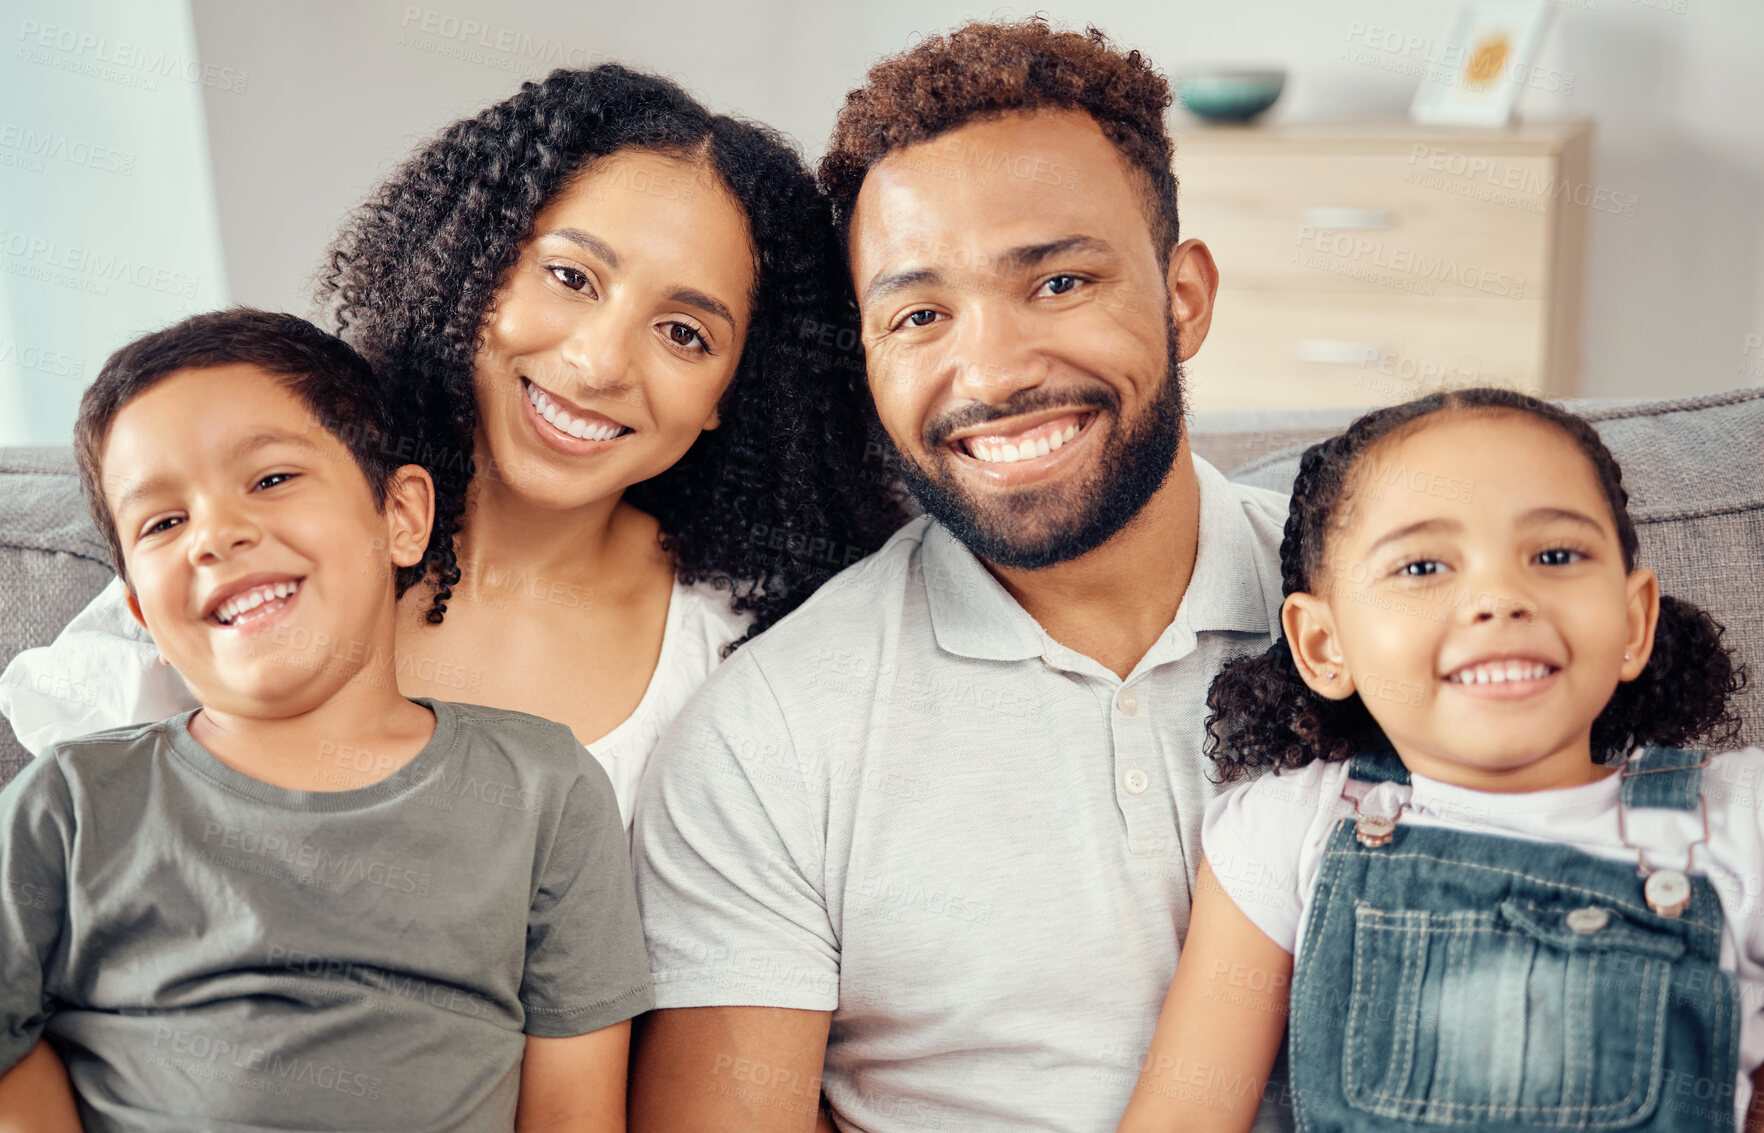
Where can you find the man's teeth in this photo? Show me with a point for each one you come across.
(238, 604)
(1499, 672)
(564, 423)
(1008, 453)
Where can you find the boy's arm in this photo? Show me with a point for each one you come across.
(36, 1097)
(1755, 1111)
(573, 1085)
(1211, 1016)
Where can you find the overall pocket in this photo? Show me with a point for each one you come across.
(1532, 1014)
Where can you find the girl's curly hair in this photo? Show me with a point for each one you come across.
(769, 505)
(1264, 716)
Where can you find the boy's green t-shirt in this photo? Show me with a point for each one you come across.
(207, 950)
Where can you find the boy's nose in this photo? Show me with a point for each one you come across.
(216, 537)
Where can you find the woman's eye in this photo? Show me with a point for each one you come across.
(1061, 284)
(273, 479)
(1421, 568)
(1559, 556)
(569, 277)
(680, 334)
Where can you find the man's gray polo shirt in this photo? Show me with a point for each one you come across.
(908, 805)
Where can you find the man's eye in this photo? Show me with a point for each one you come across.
(920, 319)
(1559, 556)
(1061, 284)
(569, 277)
(1421, 567)
(273, 479)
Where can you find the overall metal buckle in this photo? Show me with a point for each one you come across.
(1375, 830)
(1667, 891)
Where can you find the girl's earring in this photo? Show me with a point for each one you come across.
(1627, 657)
(1332, 674)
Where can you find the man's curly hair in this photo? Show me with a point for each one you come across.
(412, 277)
(986, 70)
(1264, 716)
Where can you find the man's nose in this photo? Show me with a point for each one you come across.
(994, 357)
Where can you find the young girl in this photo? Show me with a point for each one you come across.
(1485, 883)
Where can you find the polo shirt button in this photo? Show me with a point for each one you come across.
(1127, 701)
(1135, 781)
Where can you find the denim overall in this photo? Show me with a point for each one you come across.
(1458, 980)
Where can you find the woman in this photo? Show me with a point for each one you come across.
(594, 301)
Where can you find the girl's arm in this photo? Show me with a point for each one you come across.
(1222, 1023)
(575, 1085)
(35, 1096)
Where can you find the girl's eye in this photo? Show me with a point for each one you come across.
(273, 479)
(569, 277)
(1420, 568)
(1559, 556)
(684, 335)
(1061, 284)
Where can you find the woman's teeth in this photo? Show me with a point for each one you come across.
(1008, 453)
(564, 423)
(1499, 672)
(239, 604)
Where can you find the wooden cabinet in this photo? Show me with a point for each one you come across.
(1371, 264)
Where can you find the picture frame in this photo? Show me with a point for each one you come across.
(1475, 76)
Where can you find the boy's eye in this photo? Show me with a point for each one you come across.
(1421, 567)
(273, 479)
(1559, 556)
(165, 524)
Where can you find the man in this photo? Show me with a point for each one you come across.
(928, 844)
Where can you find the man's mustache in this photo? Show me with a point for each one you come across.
(1028, 401)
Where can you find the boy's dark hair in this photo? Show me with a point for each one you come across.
(1264, 716)
(771, 504)
(329, 377)
(987, 70)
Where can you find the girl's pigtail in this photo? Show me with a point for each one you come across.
(1265, 718)
(1683, 696)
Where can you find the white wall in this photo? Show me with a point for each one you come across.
(340, 90)
(107, 222)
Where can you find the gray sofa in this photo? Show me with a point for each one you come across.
(1693, 466)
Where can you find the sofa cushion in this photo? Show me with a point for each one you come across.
(52, 561)
(1696, 493)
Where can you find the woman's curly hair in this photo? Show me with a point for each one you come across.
(1264, 716)
(769, 505)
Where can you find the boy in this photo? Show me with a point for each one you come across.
(312, 902)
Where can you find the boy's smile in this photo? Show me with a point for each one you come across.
(256, 553)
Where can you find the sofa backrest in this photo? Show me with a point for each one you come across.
(1693, 468)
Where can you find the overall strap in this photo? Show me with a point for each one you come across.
(1378, 767)
(1665, 777)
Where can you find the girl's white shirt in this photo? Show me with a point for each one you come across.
(103, 671)
(1265, 842)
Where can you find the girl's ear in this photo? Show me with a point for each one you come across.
(1310, 634)
(1642, 615)
(410, 514)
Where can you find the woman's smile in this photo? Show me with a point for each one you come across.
(567, 427)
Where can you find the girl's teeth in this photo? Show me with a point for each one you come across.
(1500, 674)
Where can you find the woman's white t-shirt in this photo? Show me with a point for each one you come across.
(103, 671)
(1265, 841)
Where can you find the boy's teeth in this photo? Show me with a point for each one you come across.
(238, 604)
(1008, 453)
(564, 423)
(1500, 672)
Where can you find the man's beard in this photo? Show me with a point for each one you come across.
(1035, 527)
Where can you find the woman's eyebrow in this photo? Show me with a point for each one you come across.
(706, 303)
(589, 242)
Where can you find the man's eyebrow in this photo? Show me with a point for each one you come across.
(1423, 527)
(888, 283)
(589, 241)
(1032, 255)
(1540, 515)
(710, 305)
